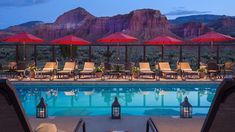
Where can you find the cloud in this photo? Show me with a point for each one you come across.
(19, 3)
(181, 11)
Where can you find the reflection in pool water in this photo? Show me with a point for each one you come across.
(135, 99)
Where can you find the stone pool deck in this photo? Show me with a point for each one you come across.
(127, 123)
(98, 80)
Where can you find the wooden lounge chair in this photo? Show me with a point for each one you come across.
(88, 69)
(117, 70)
(20, 69)
(68, 70)
(145, 69)
(165, 70)
(10, 70)
(12, 115)
(212, 70)
(186, 70)
(128, 69)
(228, 68)
(221, 116)
(107, 69)
(47, 70)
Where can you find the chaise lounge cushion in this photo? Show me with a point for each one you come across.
(46, 127)
(146, 71)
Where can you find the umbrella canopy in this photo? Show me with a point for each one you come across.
(213, 37)
(70, 40)
(164, 40)
(118, 37)
(23, 38)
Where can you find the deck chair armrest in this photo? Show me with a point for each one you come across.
(80, 126)
(38, 69)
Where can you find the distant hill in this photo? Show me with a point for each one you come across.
(196, 18)
(32, 24)
(28, 26)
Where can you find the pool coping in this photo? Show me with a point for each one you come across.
(116, 82)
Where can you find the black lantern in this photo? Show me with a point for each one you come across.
(41, 109)
(116, 109)
(185, 109)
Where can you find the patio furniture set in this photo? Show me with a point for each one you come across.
(117, 71)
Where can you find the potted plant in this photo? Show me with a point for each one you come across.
(32, 68)
(99, 71)
(135, 72)
(202, 72)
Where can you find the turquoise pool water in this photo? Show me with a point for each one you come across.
(135, 99)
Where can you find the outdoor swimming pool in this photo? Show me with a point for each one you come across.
(135, 99)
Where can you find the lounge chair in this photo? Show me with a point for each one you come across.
(48, 70)
(228, 68)
(221, 116)
(128, 69)
(88, 69)
(12, 115)
(186, 71)
(107, 69)
(117, 70)
(20, 70)
(145, 69)
(165, 70)
(212, 70)
(10, 69)
(68, 70)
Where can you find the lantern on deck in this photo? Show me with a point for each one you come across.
(41, 109)
(116, 109)
(185, 109)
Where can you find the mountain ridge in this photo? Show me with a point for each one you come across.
(142, 23)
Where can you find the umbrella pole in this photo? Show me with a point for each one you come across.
(180, 53)
(53, 52)
(118, 59)
(89, 53)
(126, 55)
(212, 44)
(35, 55)
(24, 51)
(162, 52)
(71, 52)
(217, 54)
(108, 54)
(199, 56)
(144, 50)
(17, 53)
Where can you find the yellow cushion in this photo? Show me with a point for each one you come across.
(46, 127)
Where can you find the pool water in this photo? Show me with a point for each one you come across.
(135, 99)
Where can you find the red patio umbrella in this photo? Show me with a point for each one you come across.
(118, 38)
(70, 40)
(212, 37)
(162, 40)
(23, 38)
(165, 40)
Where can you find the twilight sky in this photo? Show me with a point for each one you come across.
(13, 12)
